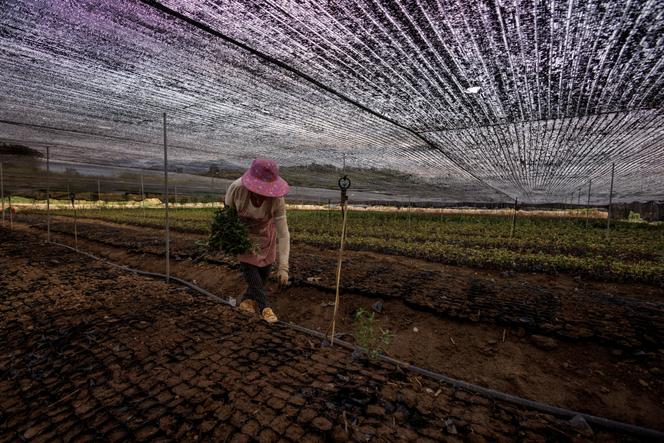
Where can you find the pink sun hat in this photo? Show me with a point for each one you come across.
(262, 178)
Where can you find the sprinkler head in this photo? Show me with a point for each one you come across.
(344, 183)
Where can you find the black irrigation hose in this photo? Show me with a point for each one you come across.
(460, 384)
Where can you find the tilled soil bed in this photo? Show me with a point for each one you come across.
(93, 352)
(600, 363)
(627, 315)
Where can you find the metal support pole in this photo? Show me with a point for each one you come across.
(142, 196)
(72, 197)
(608, 220)
(167, 221)
(516, 200)
(98, 194)
(48, 195)
(175, 202)
(11, 213)
(2, 193)
(590, 183)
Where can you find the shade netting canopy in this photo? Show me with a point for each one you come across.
(486, 101)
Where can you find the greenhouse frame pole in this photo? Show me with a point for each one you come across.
(142, 196)
(2, 193)
(516, 200)
(48, 195)
(608, 219)
(11, 213)
(167, 221)
(590, 184)
(72, 197)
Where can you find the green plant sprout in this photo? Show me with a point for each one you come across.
(374, 340)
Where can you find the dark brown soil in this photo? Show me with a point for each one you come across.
(97, 353)
(610, 370)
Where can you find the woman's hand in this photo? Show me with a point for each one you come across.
(282, 278)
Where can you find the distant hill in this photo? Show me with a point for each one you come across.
(317, 175)
(12, 150)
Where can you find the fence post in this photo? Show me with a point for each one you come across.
(48, 195)
(590, 183)
(516, 200)
(2, 193)
(167, 221)
(608, 220)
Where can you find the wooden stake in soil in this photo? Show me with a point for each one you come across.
(167, 221)
(344, 184)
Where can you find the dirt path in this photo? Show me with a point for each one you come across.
(579, 374)
(95, 353)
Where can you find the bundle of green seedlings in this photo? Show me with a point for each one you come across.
(228, 233)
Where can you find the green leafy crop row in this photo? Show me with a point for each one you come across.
(632, 251)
